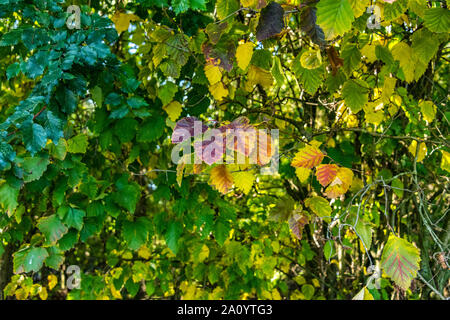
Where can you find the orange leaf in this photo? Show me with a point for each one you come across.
(308, 157)
(221, 179)
(340, 184)
(325, 173)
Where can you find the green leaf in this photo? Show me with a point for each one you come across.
(198, 4)
(8, 198)
(128, 194)
(335, 17)
(351, 56)
(30, 259)
(221, 231)
(226, 7)
(437, 19)
(356, 94)
(166, 92)
(77, 144)
(11, 38)
(328, 250)
(7, 155)
(74, 218)
(311, 79)
(308, 291)
(136, 232)
(320, 207)
(425, 45)
(55, 258)
(137, 102)
(180, 6)
(12, 70)
(400, 260)
(172, 235)
(34, 167)
(151, 129)
(277, 72)
(59, 151)
(394, 10)
(364, 231)
(97, 96)
(52, 228)
(397, 187)
(33, 136)
(69, 240)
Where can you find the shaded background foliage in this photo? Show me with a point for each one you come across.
(87, 178)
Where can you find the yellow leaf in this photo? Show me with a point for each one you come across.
(357, 184)
(403, 53)
(422, 150)
(257, 75)
(173, 109)
(308, 157)
(244, 54)
(213, 73)
(374, 112)
(218, 91)
(364, 294)
(52, 281)
(302, 174)
(340, 184)
(445, 162)
(221, 179)
(122, 20)
(359, 7)
(21, 294)
(115, 293)
(190, 292)
(144, 252)
(243, 180)
(248, 3)
(204, 253)
(311, 59)
(369, 52)
(388, 89)
(43, 294)
(276, 295)
(428, 110)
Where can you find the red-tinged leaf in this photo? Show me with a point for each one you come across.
(221, 178)
(400, 260)
(223, 55)
(308, 157)
(340, 184)
(185, 129)
(297, 223)
(271, 21)
(325, 173)
(310, 27)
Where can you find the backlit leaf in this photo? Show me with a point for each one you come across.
(308, 157)
(335, 17)
(325, 173)
(244, 54)
(221, 178)
(400, 260)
